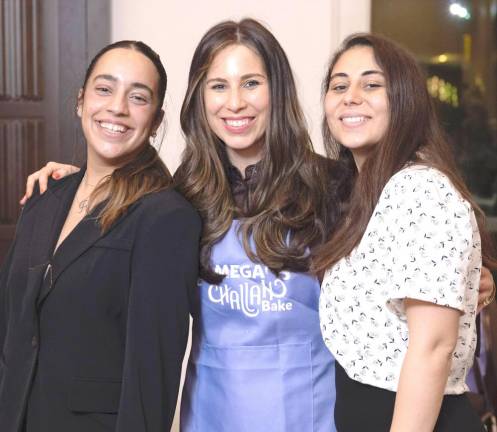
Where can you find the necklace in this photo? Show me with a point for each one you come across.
(83, 203)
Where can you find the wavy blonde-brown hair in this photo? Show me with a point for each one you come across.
(289, 210)
(145, 173)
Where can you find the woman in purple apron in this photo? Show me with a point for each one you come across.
(258, 362)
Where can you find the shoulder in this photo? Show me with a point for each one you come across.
(165, 222)
(425, 197)
(169, 204)
(425, 183)
(166, 200)
(55, 188)
(418, 175)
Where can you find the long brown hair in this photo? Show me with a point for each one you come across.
(145, 173)
(413, 135)
(287, 212)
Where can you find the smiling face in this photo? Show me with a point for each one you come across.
(119, 107)
(356, 103)
(237, 103)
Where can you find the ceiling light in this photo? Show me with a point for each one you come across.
(460, 11)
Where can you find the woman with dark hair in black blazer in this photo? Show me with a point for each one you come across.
(94, 293)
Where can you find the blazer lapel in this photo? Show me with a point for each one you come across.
(82, 238)
(84, 235)
(51, 215)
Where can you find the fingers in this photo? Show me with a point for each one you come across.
(44, 173)
(486, 287)
(30, 183)
(58, 170)
(51, 169)
(63, 170)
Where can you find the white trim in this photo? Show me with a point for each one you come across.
(349, 17)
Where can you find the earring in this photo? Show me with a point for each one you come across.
(154, 134)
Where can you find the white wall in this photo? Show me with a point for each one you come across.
(308, 30)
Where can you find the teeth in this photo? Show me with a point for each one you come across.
(113, 127)
(353, 120)
(237, 123)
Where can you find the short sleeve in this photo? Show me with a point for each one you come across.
(435, 243)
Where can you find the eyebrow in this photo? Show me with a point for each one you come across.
(365, 73)
(243, 77)
(139, 85)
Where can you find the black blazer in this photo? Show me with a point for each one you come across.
(92, 338)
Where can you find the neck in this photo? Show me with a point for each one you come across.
(91, 179)
(94, 176)
(96, 171)
(358, 162)
(242, 159)
(360, 156)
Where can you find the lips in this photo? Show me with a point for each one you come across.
(238, 125)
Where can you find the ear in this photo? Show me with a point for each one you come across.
(79, 105)
(157, 121)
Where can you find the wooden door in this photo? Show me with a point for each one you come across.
(45, 46)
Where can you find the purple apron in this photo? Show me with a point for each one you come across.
(258, 362)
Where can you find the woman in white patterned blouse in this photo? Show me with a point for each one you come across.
(400, 287)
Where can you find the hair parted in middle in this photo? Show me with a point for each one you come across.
(413, 135)
(287, 211)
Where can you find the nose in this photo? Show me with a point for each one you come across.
(118, 104)
(236, 101)
(353, 96)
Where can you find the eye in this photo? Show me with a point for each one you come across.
(139, 99)
(251, 83)
(373, 85)
(338, 87)
(218, 87)
(102, 90)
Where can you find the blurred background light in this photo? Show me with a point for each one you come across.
(459, 10)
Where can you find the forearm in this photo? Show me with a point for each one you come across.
(421, 388)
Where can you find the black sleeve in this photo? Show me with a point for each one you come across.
(164, 267)
(4, 271)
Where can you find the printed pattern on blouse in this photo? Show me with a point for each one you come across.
(422, 242)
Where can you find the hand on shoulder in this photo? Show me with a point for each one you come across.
(52, 170)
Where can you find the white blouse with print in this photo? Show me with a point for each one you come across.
(422, 242)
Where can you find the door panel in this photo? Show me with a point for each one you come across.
(45, 48)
